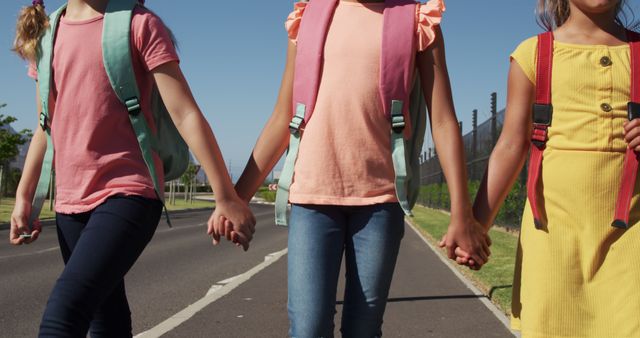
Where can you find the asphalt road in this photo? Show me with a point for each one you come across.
(180, 267)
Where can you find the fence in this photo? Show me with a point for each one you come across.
(478, 145)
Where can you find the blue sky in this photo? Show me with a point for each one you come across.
(233, 55)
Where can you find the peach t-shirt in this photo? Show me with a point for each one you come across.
(345, 151)
(96, 151)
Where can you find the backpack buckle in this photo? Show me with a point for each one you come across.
(296, 123)
(539, 135)
(397, 117)
(397, 123)
(44, 121)
(133, 105)
(542, 114)
(633, 110)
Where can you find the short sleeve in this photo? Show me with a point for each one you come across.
(293, 20)
(525, 57)
(152, 39)
(428, 16)
(32, 71)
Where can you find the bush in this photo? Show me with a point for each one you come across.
(266, 194)
(510, 215)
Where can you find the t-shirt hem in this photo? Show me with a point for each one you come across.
(159, 61)
(342, 200)
(70, 208)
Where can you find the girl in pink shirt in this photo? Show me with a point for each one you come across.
(343, 193)
(106, 206)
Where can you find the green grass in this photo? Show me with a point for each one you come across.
(196, 204)
(6, 207)
(496, 277)
(266, 194)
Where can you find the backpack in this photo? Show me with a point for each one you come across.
(542, 115)
(166, 142)
(400, 91)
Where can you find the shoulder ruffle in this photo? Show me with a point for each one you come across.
(293, 20)
(428, 16)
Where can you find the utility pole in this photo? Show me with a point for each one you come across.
(494, 118)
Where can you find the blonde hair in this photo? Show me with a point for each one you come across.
(32, 23)
(554, 13)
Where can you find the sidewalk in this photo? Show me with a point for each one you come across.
(427, 300)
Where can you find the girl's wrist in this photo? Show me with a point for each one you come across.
(22, 198)
(461, 210)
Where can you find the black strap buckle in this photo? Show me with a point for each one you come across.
(296, 124)
(44, 121)
(542, 114)
(633, 110)
(133, 106)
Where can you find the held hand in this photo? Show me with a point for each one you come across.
(20, 226)
(233, 220)
(631, 133)
(238, 238)
(466, 242)
(462, 257)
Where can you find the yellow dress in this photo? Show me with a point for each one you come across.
(580, 277)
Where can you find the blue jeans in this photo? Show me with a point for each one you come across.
(369, 237)
(98, 248)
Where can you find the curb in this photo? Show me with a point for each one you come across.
(482, 297)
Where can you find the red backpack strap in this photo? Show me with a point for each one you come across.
(630, 170)
(309, 56)
(542, 115)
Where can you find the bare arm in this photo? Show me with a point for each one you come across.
(274, 137)
(197, 133)
(444, 123)
(510, 151)
(463, 231)
(27, 186)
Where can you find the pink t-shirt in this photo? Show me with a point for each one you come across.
(96, 151)
(345, 151)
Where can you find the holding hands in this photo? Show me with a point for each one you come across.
(232, 219)
(467, 242)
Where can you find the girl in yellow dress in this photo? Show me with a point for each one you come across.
(576, 276)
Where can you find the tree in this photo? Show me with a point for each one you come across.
(188, 180)
(9, 142)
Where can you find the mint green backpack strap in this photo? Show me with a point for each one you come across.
(286, 177)
(116, 52)
(399, 155)
(45, 58)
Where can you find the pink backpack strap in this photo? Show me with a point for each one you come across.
(397, 67)
(309, 56)
(397, 63)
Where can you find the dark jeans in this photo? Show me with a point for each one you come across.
(98, 247)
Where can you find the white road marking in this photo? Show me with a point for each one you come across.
(56, 248)
(167, 229)
(482, 297)
(216, 292)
